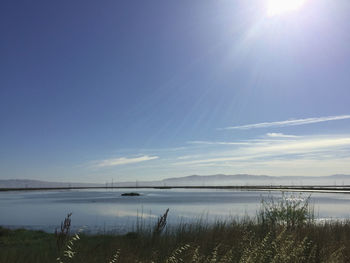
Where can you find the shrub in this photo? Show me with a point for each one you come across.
(290, 211)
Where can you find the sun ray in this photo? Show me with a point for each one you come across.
(277, 7)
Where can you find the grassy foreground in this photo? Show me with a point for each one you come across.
(282, 231)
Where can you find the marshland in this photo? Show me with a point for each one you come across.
(275, 227)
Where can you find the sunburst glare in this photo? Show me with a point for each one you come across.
(277, 7)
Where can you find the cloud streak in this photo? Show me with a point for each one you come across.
(287, 123)
(218, 143)
(276, 149)
(280, 135)
(123, 161)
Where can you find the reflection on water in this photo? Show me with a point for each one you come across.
(108, 210)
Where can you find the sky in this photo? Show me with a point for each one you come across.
(94, 91)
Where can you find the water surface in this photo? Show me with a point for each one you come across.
(107, 210)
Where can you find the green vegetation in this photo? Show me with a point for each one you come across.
(283, 231)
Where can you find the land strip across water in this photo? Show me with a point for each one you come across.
(288, 188)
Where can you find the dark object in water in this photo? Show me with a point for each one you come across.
(130, 194)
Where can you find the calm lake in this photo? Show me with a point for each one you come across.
(107, 210)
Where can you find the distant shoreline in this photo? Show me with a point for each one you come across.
(309, 188)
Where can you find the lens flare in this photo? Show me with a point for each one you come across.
(277, 7)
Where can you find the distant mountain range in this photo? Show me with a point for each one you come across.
(247, 179)
(195, 180)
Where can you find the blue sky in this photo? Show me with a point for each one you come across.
(142, 90)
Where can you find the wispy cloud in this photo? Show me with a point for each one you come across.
(123, 160)
(276, 149)
(218, 143)
(287, 123)
(248, 142)
(186, 157)
(280, 135)
(272, 154)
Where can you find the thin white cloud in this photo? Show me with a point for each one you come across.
(280, 135)
(275, 149)
(123, 160)
(248, 142)
(186, 157)
(218, 143)
(287, 123)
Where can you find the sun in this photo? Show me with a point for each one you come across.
(277, 7)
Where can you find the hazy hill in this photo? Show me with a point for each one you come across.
(215, 178)
(246, 179)
(197, 180)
